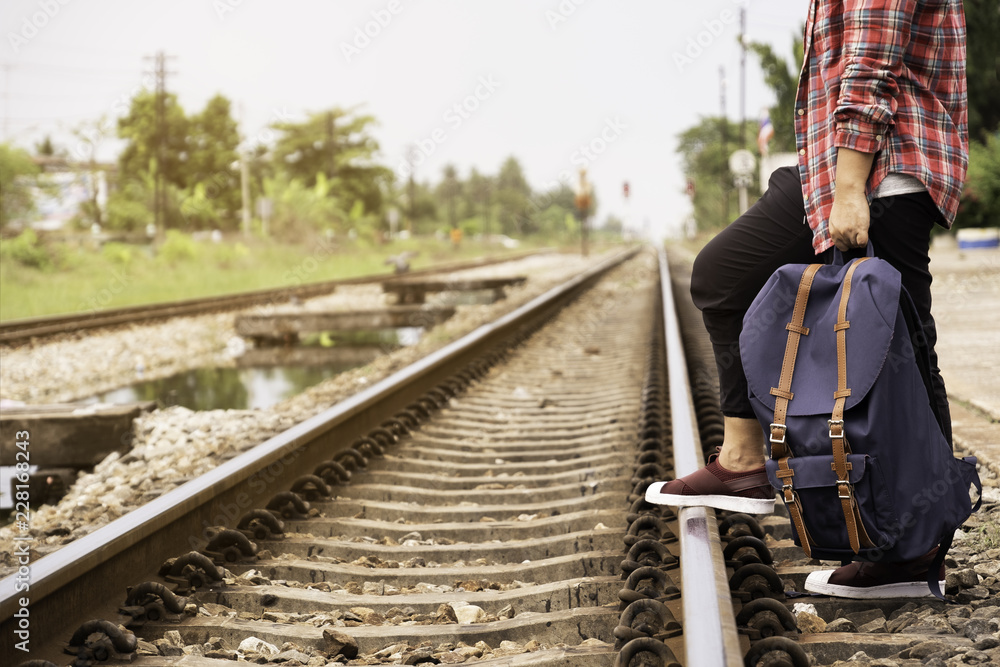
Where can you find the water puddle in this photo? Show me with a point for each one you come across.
(223, 388)
(264, 376)
(260, 379)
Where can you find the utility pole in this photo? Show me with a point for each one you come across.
(160, 190)
(725, 141)
(743, 77)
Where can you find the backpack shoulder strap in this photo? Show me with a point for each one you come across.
(783, 394)
(856, 532)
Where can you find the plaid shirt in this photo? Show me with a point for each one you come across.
(884, 77)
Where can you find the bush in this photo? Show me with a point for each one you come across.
(26, 249)
(981, 201)
(299, 210)
(226, 256)
(127, 210)
(178, 247)
(197, 209)
(117, 253)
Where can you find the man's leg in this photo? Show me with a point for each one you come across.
(900, 234)
(725, 279)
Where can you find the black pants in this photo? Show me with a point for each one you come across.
(732, 268)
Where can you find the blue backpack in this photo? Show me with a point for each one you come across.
(855, 447)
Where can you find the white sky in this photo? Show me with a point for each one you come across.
(563, 73)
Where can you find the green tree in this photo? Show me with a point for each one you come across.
(513, 196)
(139, 129)
(211, 171)
(783, 80)
(18, 175)
(45, 147)
(705, 160)
(980, 205)
(337, 144)
(982, 20)
(449, 191)
(478, 193)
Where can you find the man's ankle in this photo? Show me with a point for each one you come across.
(743, 445)
(738, 461)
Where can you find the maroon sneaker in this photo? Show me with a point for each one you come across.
(862, 580)
(714, 486)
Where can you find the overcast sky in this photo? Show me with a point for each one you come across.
(538, 79)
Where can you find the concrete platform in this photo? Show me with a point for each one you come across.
(966, 292)
(310, 356)
(414, 291)
(289, 325)
(70, 435)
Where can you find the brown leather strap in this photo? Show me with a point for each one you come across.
(791, 499)
(783, 392)
(838, 438)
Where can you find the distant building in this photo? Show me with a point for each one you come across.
(66, 185)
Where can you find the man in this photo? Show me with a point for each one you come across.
(882, 140)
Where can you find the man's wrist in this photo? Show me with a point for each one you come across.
(853, 168)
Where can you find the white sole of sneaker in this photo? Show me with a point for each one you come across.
(819, 582)
(655, 495)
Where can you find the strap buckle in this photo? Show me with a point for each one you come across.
(836, 422)
(843, 486)
(782, 428)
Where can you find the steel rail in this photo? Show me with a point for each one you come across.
(710, 635)
(71, 585)
(23, 329)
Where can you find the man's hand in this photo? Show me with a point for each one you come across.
(850, 217)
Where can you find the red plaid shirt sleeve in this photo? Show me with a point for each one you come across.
(884, 77)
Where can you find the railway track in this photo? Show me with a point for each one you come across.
(19, 331)
(484, 504)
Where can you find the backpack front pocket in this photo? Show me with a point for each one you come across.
(821, 509)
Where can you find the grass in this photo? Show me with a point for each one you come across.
(986, 536)
(81, 279)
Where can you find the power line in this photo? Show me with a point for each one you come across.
(77, 50)
(99, 71)
(60, 95)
